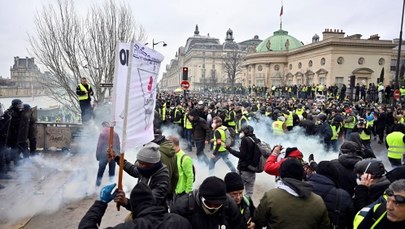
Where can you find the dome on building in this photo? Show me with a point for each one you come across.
(280, 41)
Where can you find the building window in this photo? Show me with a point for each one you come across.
(340, 60)
(322, 80)
(310, 63)
(276, 67)
(259, 68)
(299, 65)
(323, 61)
(381, 61)
(339, 81)
(290, 66)
(361, 60)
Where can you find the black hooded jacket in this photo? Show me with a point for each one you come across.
(347, 177)
(190, 207)
(246, 152)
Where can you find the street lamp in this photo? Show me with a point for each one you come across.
(203, 76)
(399, 48)
(156, 43)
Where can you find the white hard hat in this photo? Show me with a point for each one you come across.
(281, 118)
(200, 102)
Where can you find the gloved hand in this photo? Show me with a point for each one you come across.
(105, 194)
(311, 158)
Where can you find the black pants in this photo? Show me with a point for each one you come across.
(86, 110)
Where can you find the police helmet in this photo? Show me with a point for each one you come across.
(372, 166)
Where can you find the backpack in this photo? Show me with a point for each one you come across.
(229, 136)
(181, 163)
(261, 152)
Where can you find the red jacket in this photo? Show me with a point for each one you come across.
(272, 165)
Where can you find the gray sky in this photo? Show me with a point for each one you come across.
(173, 21)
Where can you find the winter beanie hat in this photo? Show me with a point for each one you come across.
(149, 153)
(291, 168)
(233, 182)
(141, 197)
(327, 169)
(293, 152)
(213, 190)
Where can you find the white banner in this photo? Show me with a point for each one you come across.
(139, 66)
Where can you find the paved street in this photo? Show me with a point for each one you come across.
(55, 189)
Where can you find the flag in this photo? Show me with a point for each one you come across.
(137, 68)
(281, 11)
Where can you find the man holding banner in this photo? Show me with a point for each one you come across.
(137, 69)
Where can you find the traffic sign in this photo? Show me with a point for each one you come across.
(185, 84)
(397, 94)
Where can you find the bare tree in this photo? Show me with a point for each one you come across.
(232, 61)
(71, 47)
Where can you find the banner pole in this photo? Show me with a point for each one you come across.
(124, 129)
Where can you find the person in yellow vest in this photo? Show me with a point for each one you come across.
(219, 148)
(402, 92)
(178, 117)
(163, 112)
(289, 122)
(387, 213)
(188, 131)
(336, 127)
(279, 126)
(241, 121)
(231, 117)
(85, 91)
(349, 122)
(364, 129)
(395, 143)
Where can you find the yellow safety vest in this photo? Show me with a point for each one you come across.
(289, 121)
(239, 124)
(335, 132)
(85, 96)
(396, 147)
(363, 135)
(278, 127)
(402, 91)
(351, 125)
(187, 123)
(221, 130)
(177, 110)
(229, 120)
(360, 217)
(163, 112)
(299, 111)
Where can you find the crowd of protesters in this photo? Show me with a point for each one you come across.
(354, 190)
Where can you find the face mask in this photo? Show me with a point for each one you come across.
(241, 135)
(358, 181)
(213, 126)
(208, 210)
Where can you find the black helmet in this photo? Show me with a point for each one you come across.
(370, 165)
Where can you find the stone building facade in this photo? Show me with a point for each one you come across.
(282, 60)
(24, 79)
(204, 57)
